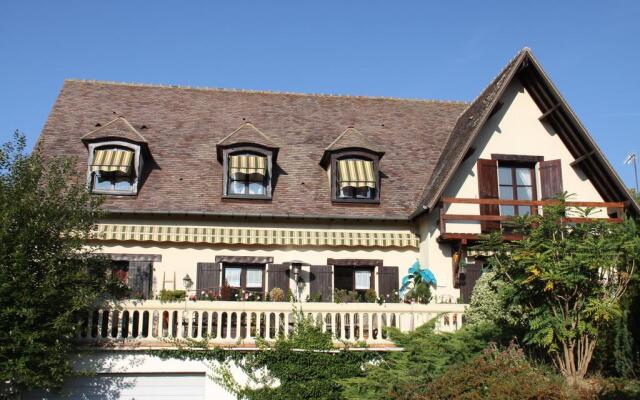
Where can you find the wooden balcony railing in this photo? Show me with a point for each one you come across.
(616, 208)
(232, 324)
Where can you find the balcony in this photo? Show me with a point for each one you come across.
(468, 227)
(152, 324)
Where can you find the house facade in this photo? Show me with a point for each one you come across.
(237, 193)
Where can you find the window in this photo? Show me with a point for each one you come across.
(136, 275)
(516, 182)
(248, 173)
(113, 168)
(355, 177)
(357, 279)
(245, 276)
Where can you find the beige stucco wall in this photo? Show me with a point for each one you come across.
(514, 129)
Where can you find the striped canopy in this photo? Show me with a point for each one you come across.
(114, 160)
(254, 166)
(356, 173)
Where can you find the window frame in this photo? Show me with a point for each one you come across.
(352, 269)
(243, 275)
(137, 167)
(361, 155)
(237, 150)
(513, 165)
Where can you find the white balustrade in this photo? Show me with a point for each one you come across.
(153, 323)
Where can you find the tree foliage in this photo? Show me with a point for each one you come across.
(567, 279)
(47, 274)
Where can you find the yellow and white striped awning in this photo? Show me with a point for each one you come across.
(356, 173)
(114, 160)
(253, 236)
(255, 166)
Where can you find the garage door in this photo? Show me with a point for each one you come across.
(131, 387)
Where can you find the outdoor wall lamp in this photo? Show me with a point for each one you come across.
(187, 282)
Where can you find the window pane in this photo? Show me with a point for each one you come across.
(232, 276)
(525, 193)
(256, 188)
(102, 183)
(347, 192)
(506, 192)
(236, 187)
(524, 210)
(363, 280)
(254, 277)
(123, 184)
(507, 211)
(364, 193)
(523, 176)
(504, 176)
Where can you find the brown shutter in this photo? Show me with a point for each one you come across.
(551, 179)
(139, 278)
(473, 272)
(388, 281)
(277, 277)
(488, 189)
(322, 281)
(207, 278)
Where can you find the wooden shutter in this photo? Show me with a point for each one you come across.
(388, 281)
(277, 277)
(139, 278)
(207, 278)
(488, 189)
(473, 272)
(322, 281)
(551, 178)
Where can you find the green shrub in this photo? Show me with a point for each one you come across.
(276, 294)
(494, 374)
(488, 303)
(370, 296)
(420, 293)
(619, 389)
(171, 295)
(345, 296)
(315, 298)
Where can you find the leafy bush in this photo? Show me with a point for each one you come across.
(426, 356)
(276, 294)
(345, 296)
(420, 293)
(370, 296)
(315, 298)
(171, 295)
(619, 389)
(489, 304)
(494, 374)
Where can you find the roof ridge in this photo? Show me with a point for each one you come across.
(204, 88)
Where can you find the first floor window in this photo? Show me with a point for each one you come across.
(248, 175)
(244, 276)
(112, 170)
(356, 179)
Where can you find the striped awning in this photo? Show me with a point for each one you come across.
(255, 166)
(253, 236)
(356, 173)
(115, 160)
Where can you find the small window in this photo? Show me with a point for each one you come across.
(248, 175)
(355, 179)
(112, 169)
(357, 279)
(516, 182)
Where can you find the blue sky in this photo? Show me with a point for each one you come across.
(432, 50)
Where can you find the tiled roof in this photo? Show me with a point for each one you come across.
(183, 126)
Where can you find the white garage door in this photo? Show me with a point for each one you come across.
(131, 387)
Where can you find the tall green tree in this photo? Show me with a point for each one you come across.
(48, 275)
(567, 279)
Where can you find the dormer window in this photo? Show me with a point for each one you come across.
(114, 168)
(355, 177)
(247, 175)
(248, 172)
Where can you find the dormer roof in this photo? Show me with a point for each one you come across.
(351, 138)
(117, 128)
